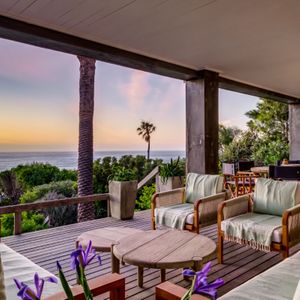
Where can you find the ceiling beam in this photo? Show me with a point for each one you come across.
(20, 31)
(239, 87)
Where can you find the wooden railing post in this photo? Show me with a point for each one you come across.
(18, 223)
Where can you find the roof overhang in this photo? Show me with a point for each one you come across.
(253, 52)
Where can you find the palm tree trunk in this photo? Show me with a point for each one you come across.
(148, 150)
(85, 148)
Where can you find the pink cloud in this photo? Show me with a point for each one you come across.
(136, 90)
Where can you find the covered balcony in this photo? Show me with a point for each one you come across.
(249, 47)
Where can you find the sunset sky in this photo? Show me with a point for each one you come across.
(39, 103)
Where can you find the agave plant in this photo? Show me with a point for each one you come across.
(171, 169)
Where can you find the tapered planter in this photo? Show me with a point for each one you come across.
(170, 184)
(122, 199)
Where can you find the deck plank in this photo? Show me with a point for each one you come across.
(47, 246)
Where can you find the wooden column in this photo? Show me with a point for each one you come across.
(294, 131)
(202, 124)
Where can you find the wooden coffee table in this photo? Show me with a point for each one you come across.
(104, 238)
(163, 249)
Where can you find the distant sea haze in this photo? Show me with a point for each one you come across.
(68, 159)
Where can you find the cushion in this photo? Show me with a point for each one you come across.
(274, 197)
(276, 236)
(199, 186)
(2, 286)
(17, 266)
(297, 292)
(277, 283)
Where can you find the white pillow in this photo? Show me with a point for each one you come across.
(297, 292)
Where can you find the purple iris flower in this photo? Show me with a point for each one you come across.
(201, 286)
(26, 293)
(83, 257)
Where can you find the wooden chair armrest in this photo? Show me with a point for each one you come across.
(208, 199)
(290, 212)
(113, 283)
(171, 291)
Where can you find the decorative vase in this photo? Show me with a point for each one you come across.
(170, 183)
(122, 199)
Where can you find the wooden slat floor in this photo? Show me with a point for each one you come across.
(47, 246)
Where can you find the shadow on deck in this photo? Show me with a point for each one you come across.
(47, 246)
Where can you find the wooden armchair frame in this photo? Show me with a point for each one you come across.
(177, 196)
(112, 283)
(244, 204)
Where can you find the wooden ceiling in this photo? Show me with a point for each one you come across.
(255, 42)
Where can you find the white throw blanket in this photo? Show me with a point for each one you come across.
(173, 216)
(254, 230)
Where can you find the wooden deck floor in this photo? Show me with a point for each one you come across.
(47, 246)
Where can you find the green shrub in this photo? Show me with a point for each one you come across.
(30, 222)
(62, 215)
(66, 188)
(144, 201)
(35, 174)
(171, 169)
(122, 174)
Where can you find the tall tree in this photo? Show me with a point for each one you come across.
(270, 121)
(227, 135)
(145, 130)
(85, 148)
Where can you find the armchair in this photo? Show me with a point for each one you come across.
(189, 207)
(273, 211)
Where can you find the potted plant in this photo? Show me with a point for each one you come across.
(122, 191)
(170, 176)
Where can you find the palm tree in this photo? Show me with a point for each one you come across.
(85, 148)
(145, 130)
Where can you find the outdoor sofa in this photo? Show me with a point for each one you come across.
(15, 265)
(196, 204)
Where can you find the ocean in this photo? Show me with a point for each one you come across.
(68, 159)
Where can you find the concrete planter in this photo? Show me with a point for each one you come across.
(171, 183)
(122, 199)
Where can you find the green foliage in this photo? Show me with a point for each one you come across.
(241, 148)
(35, 174)
(122, 174)
(66, 188)
(171, 169)
(265, 140)
(144, 201)
(270, 121)
(103, 168)
(30, 222)
(10, 188)
(62, 215)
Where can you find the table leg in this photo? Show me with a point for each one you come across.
(115, 263)
(163, 275)
(140, 276)
(197, 266)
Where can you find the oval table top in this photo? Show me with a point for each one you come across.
(165, 249)
(103, 238)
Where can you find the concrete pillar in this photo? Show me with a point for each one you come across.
(294, 131)
(202, 124)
